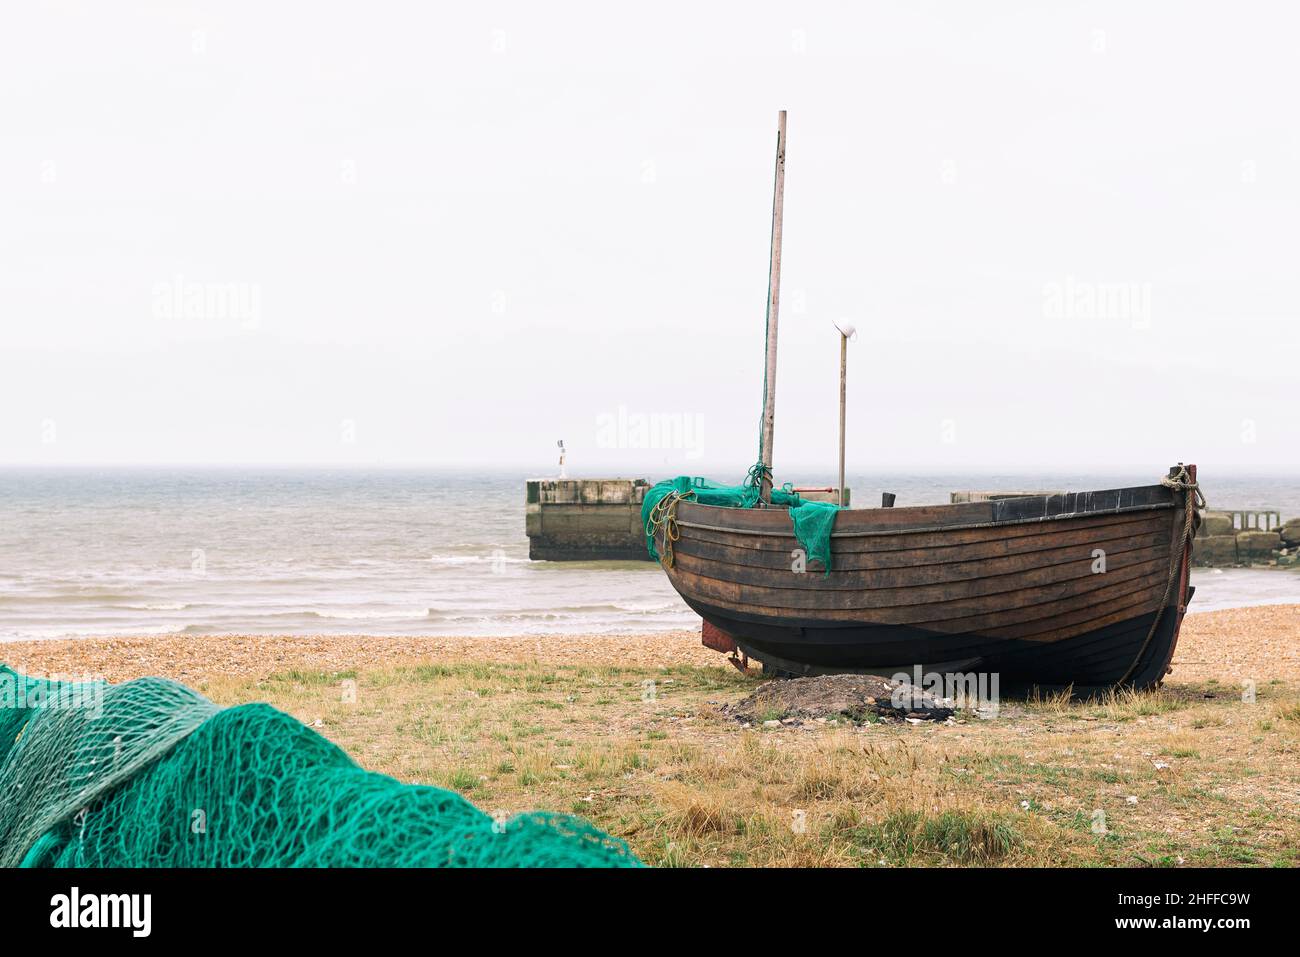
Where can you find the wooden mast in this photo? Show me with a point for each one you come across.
(773, 302)
(844, 370)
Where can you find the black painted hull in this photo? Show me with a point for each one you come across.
(1091, 660)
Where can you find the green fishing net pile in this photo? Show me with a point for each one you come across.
(151, 774)
(813, 521)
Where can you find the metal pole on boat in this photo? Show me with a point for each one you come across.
(773, 301)
(847, 332)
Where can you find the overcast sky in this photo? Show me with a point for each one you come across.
(383, 233)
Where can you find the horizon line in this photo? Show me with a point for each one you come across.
(598, 471)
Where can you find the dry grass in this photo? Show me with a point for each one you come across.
(1193, 774)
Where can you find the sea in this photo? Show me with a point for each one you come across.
(132, 551)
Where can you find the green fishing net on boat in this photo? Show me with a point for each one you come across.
(149, 773)
(813, 521)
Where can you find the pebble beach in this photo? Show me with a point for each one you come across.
(1259, 643)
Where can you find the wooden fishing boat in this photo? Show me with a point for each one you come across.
(1084, 588)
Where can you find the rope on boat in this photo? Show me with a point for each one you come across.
(1192, 500)
(758, 472)
(664, 517)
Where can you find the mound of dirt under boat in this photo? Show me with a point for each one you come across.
(855, 698)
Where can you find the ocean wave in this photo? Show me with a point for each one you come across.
(95, 631)
(105, 598)
(477, 560)
(358, 615)
(480, 546)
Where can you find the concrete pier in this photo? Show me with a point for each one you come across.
(597, 519)
(1246, 537)
(583, 520)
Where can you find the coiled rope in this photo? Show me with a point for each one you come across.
(758, 472)
(662, 524)
(1192, 500)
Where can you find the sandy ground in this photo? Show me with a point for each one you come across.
(1259, 643)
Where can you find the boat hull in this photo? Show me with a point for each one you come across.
(1085, 589)
(1091, 659)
